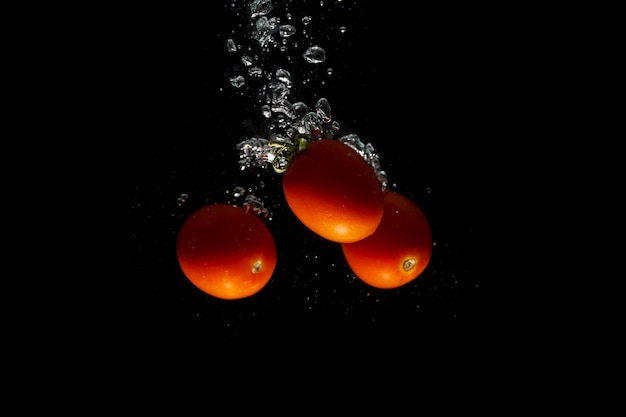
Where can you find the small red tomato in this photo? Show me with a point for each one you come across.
(398, 251)
(226, 252)
(333, 191)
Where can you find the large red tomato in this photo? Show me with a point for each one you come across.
(398, 251)
(333, 191)
(226, 252)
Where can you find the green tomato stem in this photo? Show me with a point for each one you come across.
(285, 152)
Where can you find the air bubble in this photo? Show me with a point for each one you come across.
(315, 55)
(255, 72)
(246, 60)
(238, 81)
(182, 199)
(230, 46)
(284, 76)
(286, 31)
(238, 191)
(255, 205)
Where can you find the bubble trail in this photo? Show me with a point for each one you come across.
(286, 119)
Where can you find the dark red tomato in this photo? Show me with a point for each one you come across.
(226, 252)
(398, 251)
(333, 191)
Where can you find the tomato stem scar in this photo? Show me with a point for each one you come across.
(408, 264)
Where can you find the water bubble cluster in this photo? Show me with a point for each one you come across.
(260, 8)
(252, 203)
(256, 206)
(286, 119)
(269, 34)
(369, 153)
(182, 199)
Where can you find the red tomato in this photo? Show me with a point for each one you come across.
(333, 191)
(398, 251)
(226, 252)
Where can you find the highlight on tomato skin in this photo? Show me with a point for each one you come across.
(398, 251)
(334, 192)
(226, 252)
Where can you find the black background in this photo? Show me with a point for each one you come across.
(437, 92)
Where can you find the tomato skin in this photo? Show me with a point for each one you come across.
(404, 234)
(333, 191)
(226, 252)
